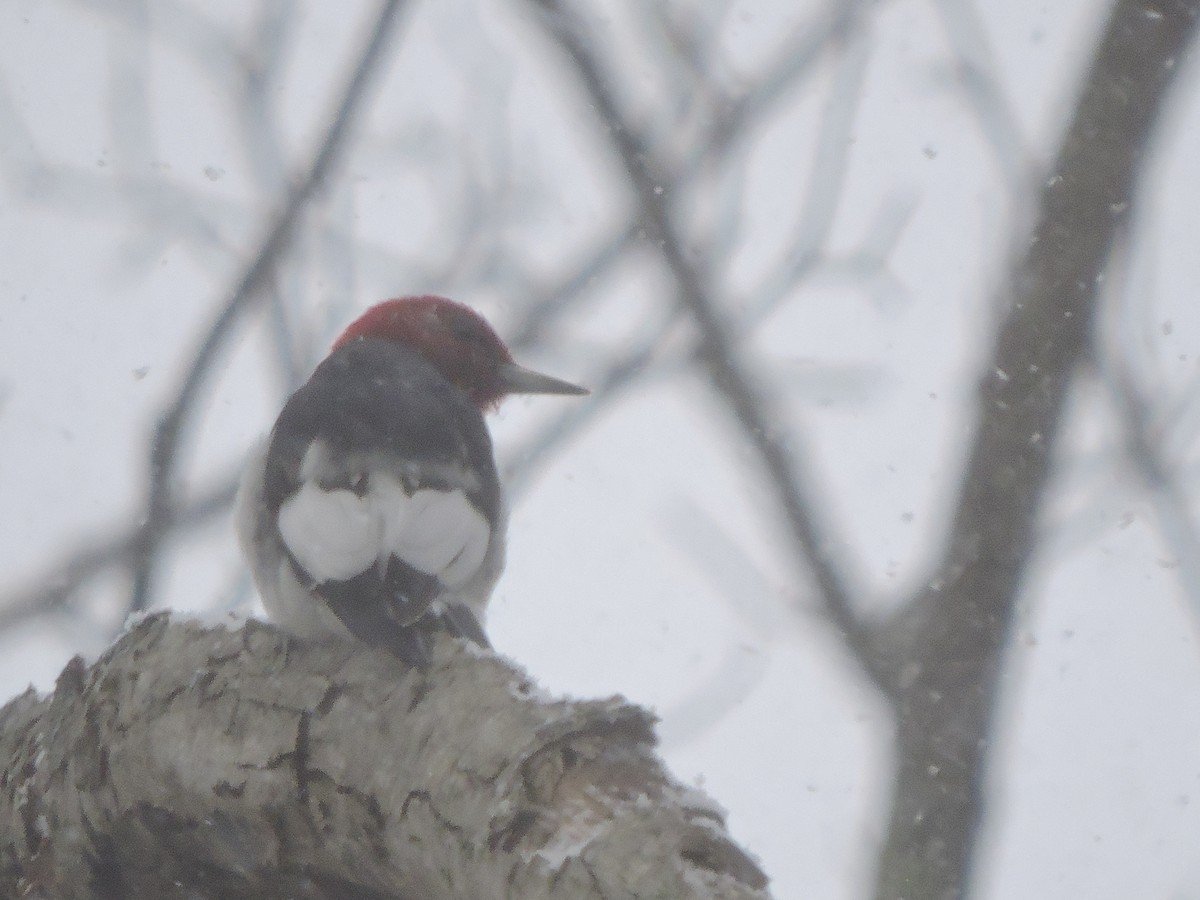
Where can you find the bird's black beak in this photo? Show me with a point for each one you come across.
(519, 380)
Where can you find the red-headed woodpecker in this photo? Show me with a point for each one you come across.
(375, 509)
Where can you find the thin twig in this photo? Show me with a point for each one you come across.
(622, 373)
(976, 66)
(169, 434)
(1144, 451)
(797, 59)
(540, 312)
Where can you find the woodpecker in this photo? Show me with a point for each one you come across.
(374, 509)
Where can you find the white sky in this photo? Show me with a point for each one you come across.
(113, 258)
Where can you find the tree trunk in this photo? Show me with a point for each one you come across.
(949, 678)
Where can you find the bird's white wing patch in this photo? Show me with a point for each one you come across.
(336, 534)
(439, 532)
(333, 534)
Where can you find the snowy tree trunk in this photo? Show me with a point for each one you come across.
(204, 762)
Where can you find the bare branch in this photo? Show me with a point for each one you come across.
(619, 375)
(779, 452)
(797, 59)
(976, 70)
(170, 431)
(540, 312)
(1145, 454)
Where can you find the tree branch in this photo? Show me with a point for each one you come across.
(168, 436)
(951, 640)
(1160, 475)
(242, 764)
(779, 452)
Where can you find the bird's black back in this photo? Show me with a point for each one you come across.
(372, 394)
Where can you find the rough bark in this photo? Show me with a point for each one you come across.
(194, 761)
(955, 634)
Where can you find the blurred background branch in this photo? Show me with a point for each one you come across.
(250, 287)
(778, 447)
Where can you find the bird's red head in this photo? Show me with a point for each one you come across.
(459, 343)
